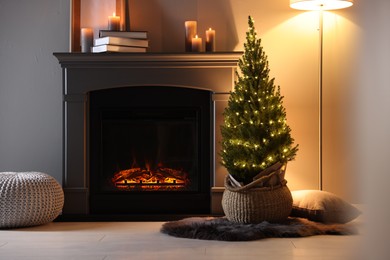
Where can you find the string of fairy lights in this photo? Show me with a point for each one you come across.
(255, 131)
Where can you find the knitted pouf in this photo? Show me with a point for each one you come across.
(29, 199)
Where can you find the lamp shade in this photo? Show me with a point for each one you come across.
(320, 4)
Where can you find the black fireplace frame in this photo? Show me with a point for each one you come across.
(127, 99)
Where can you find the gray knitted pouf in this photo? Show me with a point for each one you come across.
(29, 199)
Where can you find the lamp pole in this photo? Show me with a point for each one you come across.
(320, 81)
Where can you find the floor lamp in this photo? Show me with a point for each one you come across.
(320, 6)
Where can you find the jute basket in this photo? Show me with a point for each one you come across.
(254, 204)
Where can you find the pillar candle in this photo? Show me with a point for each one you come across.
(210, 40)
(114, 22)
(86, 39)
(191, 27)
(196, 44)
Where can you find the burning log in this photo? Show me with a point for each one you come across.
(162, 176)
(119, 176)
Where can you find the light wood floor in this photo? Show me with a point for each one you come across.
(142, 240)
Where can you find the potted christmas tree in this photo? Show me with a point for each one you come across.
(256, 142)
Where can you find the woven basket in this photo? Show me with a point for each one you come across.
(250, 204)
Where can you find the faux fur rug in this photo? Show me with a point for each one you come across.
(222, 229)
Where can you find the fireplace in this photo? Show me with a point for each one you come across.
(151, 146)
(141, 132)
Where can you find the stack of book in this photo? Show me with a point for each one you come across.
(121, 41)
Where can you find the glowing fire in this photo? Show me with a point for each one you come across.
(162, 178)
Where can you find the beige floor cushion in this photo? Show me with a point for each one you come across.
(29, 199)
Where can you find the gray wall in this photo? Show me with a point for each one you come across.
(30, 84)
(30, 79)
(30, 76)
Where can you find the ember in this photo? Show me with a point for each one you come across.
(161, 178)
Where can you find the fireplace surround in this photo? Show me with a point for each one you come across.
(86, 74)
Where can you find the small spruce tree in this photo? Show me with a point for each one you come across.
(255, 134)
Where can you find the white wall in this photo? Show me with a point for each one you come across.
(30, 84)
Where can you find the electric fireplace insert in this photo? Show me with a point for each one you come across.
(150, 150)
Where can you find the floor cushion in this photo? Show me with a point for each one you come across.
(29, 199)
(322, 206)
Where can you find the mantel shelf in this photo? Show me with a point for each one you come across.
(213, 59)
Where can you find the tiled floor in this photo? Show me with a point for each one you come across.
(142, 240)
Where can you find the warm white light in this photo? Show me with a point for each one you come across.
(320, 4)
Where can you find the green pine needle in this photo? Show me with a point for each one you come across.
(255, 134)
